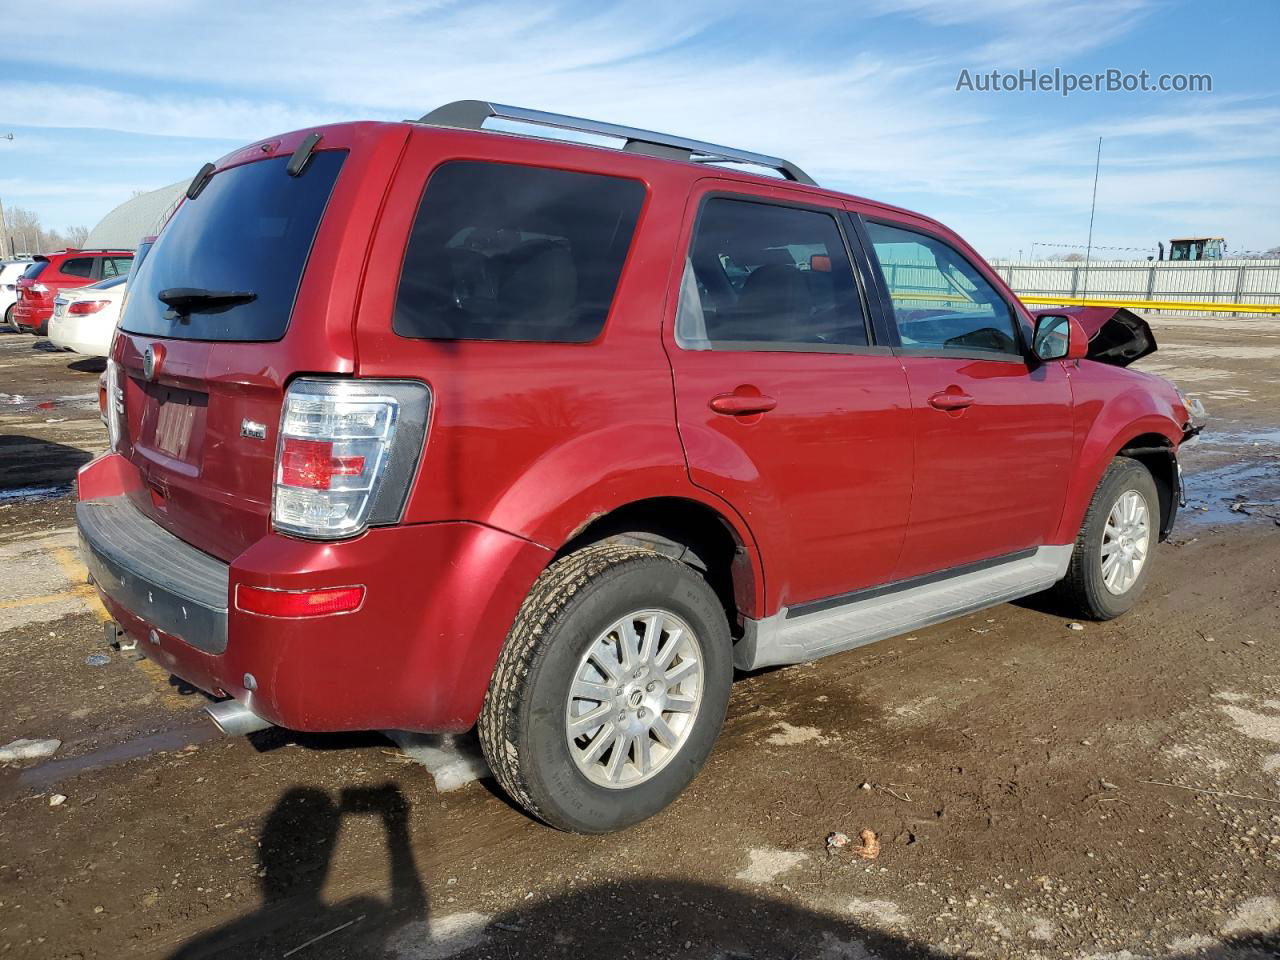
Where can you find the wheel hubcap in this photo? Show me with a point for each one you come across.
(1125, 542)
(634, 698)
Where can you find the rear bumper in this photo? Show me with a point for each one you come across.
(417, 655)
(142, 568)
(82, 335)
(32, 315)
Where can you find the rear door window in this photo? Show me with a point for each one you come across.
(507, 252)
(249, 231)
(763, 276)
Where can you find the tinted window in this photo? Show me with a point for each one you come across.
(249, 231)
(35, 269)
(505, 252)
(764, 274)
(77, 267)
(940, 300)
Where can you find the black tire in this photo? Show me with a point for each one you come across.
(522, 726)
(1084, 592)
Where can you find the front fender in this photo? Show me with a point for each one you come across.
(1105, 425)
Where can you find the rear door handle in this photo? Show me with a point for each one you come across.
(950, 401)
(738, 405)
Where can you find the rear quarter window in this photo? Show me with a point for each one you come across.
(249, 231)
(77, 267)
(507, 252)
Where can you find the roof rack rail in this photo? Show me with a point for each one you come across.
(471, 115)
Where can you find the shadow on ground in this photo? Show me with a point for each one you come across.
(647, 917)
(34, 462)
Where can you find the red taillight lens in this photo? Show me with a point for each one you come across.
(82, 307)
(298, 603)
(311, 464)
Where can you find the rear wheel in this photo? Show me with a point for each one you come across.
(1112, 555)
(610, 689)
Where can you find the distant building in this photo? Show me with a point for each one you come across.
(138, 217)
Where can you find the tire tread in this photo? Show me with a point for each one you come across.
(553, 591)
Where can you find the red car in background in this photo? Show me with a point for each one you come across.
(46, 275)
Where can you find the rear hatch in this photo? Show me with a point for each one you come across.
(253, 280)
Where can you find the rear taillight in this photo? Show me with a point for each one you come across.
(39, 288)
(114, 404)
(82, 307)
(346, 454)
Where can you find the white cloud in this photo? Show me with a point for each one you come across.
(876, 121)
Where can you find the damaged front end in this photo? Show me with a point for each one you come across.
(1116, 336)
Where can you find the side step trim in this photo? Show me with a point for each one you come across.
(782, 638)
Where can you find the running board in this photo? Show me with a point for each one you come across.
(782, 639)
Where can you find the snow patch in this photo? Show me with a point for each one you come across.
(1256, 915)
(877, 912)
(440, 937)
(766, 863)
(789, 736)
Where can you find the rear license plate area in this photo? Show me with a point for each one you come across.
(179, 421)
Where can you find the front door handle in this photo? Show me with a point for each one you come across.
(740, 405)
(947, 400)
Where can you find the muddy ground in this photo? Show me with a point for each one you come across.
(1038, 791)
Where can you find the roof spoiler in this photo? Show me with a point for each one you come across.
(471, 115)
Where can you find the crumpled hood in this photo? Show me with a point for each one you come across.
(1116, 335)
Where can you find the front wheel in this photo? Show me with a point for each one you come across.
(1112, 555)
(610, 690)
(9, 321)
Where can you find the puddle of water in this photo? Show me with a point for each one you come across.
(1263, 439)
(52, 771)
(22, 402)
(34, 493)
(1210, 493)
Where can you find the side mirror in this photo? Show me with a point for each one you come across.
(1059, 337)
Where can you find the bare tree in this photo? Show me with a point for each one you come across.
(29, 235)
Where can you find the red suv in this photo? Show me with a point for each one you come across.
(447, 427)
(46, 275)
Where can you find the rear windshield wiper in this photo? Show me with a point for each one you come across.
(184, 300)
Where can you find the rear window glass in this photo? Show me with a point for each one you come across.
(36, 268)
(108, 283)
(506, 252)
(248, 232)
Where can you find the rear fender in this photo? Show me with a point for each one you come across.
(589, 477)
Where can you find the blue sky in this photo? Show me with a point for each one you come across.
(861, 95)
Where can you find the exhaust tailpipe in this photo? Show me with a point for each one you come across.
(235, 719)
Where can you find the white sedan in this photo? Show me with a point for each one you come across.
(84, 319)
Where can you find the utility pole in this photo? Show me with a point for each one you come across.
(7, 245)
(1088, 250)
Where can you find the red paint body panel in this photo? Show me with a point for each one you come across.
(854, 478)
(218, 495)
(417, 654)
